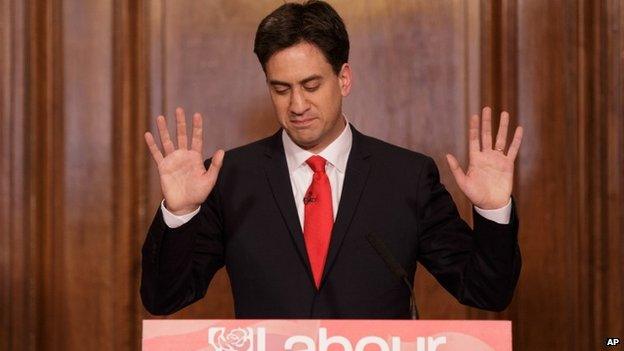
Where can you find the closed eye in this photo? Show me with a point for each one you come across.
(281, 90)
(312, 88)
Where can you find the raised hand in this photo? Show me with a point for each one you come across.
(489, 179)
(184, 181)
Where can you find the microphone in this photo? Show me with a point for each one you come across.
(395, 267)
(308, 198)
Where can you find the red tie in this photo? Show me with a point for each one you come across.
(319, 217)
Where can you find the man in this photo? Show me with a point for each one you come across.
(289, 216)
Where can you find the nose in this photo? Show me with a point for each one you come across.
(298, 102)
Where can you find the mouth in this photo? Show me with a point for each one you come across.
(302, 122)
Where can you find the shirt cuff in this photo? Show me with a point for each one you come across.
(498, 215)
(174, 221)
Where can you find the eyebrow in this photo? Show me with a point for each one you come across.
(303, 81)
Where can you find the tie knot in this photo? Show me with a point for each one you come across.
(317, 163)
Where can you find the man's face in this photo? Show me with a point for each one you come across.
(307, 95)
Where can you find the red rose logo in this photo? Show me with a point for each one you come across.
(239, 339)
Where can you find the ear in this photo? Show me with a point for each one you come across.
(345, 79)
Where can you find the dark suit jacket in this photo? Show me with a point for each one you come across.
(249, 223)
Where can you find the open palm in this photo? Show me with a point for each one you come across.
(184, 181)
(488, 182)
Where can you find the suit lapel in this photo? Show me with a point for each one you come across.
(357, 171)
(356, 175)
(276, 171)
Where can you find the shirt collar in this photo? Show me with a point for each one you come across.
(336, 153)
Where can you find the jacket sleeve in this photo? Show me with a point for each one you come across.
(479, 267)
(178, 264)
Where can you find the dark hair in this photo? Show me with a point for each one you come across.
(314, 21)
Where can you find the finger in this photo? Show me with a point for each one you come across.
(458, 173)
(486, 129)
(501, 136)
(165, 139)
(215, 166)
(151, 144)
(473, 135)
(198, 136)
(181, 128)
(515, 144)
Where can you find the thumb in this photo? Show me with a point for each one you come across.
(217, 160)
(457, 171)
(215, 165)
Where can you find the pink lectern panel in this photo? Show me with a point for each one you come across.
(325, 335)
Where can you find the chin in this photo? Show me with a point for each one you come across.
(306, 140)
(305, 136)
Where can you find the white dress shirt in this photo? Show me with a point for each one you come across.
(301, 174)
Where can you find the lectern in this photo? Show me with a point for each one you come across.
(325, 335)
